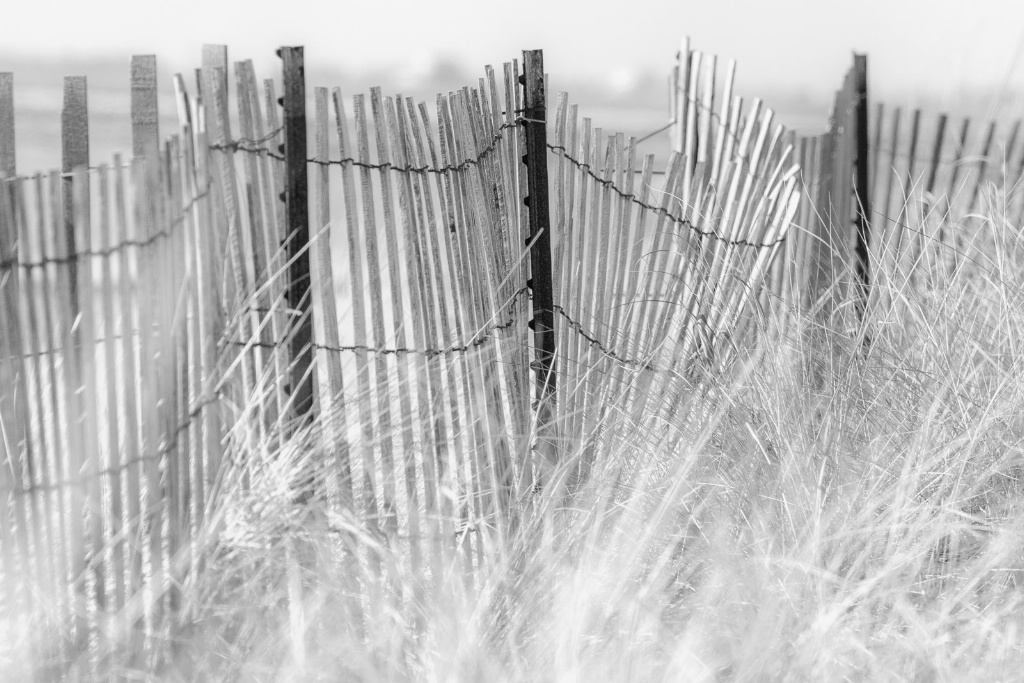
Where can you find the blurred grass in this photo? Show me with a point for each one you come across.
(843, 503)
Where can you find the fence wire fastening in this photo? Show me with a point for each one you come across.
(673, 218)
(241, 146)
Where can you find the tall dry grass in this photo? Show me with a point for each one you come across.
(843, 503)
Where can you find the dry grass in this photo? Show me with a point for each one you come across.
(838, 506)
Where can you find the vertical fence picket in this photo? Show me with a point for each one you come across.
(427, 263)
(402, 519)
(463, 491)
(15, 499)
(38, 351)
(325, 315)
(383, 515)
(473, 511)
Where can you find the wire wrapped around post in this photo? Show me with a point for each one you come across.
(543, 323)
(297, 236)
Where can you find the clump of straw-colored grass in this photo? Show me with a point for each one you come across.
(837, 505)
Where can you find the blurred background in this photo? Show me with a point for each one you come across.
(614, 58)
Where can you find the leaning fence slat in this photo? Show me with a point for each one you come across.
(469, 504)
(470, 262)
(258, 251)
(495, 470)
(448, 293)
(435, 459)
(691, 143)
(724, 117)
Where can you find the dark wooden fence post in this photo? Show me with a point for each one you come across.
(297, 235)
(543, 323)
(862, 186)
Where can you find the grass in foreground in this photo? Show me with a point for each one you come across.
(841, 506)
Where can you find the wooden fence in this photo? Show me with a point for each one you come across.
(163, 327)
(174, 321)
(883, 196)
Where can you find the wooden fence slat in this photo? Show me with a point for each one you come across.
(144, 107)
(681, 78)
(419, 513)
(581, 227)
(691, 143)
(273, 179)
(325, 315)
(107, 240)
(448, 293)
(494, 462)
(513, 335)
(8, 160)
(87, 378)
(36, 342)
(74, 125)
(51, 229)
(624, 246)
(724, 117)
(564, 261)
(643, 246)
(384, 518)
(121, 233)
(469, 503)
(258, 250)
(14, 517)
(707, 110)
(471, 261)
(398, 329)
(216, 57)
(435, 458)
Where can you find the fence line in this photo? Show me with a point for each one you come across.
(159, 310)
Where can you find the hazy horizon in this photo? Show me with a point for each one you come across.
(615, 64)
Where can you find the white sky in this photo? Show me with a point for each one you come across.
(804, 44)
